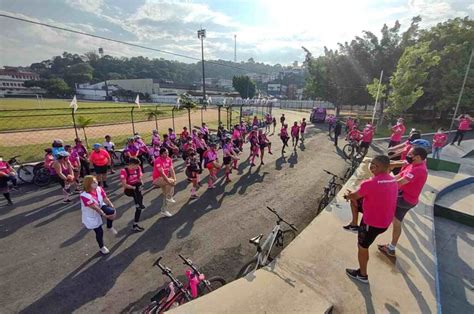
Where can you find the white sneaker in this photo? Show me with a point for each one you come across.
(166, 213)
(104, 250)
(171, 200)
(114, 232)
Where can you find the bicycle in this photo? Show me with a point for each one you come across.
(266, 252)
(42, 176)
(355, 162)
(352, 150)
(25, 173)
(330, 190)
(176, 293)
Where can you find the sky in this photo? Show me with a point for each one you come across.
(270, 31)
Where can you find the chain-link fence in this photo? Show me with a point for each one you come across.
(27, 132)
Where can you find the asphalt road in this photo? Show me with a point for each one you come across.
(50, 263)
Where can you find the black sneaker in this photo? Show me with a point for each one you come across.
(355, 274)
(351, 228)
(137, 228)
(141, 207)
(67, 201)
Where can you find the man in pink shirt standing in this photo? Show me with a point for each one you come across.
(379, 197)
(439, 140)
(411, 180)
(397, 132)
(367, 136)
(464, 125)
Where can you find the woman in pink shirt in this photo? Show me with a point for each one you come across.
(397, 132)
(284, 137)
(229, 156)
(464, 125)
(131, 179)
(439, 140)
(302, 129)
(201, 147)
(295, 134)
(212, 164)
(164, 177)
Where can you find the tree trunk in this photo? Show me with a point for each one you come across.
(85, 137)
(156, 122)
(189, 119)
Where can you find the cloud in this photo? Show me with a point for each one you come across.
(91, 6)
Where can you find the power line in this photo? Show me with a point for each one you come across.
(122, 42)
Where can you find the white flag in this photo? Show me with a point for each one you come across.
(137, 101)
(73, 103)
(178, 102)
(209, 100)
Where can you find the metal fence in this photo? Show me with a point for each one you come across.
(27, 132)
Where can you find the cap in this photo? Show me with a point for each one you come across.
(63, 154)
(96, 145)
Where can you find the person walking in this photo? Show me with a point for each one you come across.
(337, 131)
(6, 172)
(263, 142)
(94, 205)
(164, 177)
(9, 172)
(100, 160)
(274, 122)
(110, 148)
(282, 119)
(411, 180)
(284, 137)
(439, 140)
(302, 129)
(229, 156)
(131, 179)
(295, 134)
(379, 196)
(211, 162)
(465, 121)
(64, 174)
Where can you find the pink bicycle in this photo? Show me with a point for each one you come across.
(175, 293)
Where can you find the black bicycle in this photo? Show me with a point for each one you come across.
(355, 162)
(353, 150)
(330, 190)
(26, 173)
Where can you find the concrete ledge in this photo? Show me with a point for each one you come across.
(460, 216)
(309, 275)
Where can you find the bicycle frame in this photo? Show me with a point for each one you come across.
(262, 258)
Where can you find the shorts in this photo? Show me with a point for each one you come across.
(359, 205)
(393, 143)
(402, 208)
(367, 234)
(262, 146)
(101, 169)
(191, 174)
(210, 164)
(57, 179)
(227, 160)
(364, 145)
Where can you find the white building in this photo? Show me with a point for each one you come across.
(12, 82)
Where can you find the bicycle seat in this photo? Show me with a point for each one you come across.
(256, 240)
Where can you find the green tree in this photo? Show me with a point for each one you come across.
(78, 73)
(186, 102)
(83, 123)
(55, 87)
(407, 82)
(244, 86)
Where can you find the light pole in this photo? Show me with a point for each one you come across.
(201, 35)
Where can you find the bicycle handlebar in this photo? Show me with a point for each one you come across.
(332, 174)
(188, 262)
(166, 271)
(292, 226)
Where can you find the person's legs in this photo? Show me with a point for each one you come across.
(458, 133)
(131, 193)
(139, 196)
(363, 257)
(99, 236)
(13, 179)
(8, 198)
(436, 152)
(397, 232)
(108, 211)
(335, 139)
(461, 137)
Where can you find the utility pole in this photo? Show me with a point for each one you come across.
(235, 48)
(201, 35)
(462, 90)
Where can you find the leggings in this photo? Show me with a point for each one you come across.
(459, 135)
(85, 168)
(7, 197)
(201, 157)
(99, 236)
(108, 211)
(138, 199)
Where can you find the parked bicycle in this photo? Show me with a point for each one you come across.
(353, 150)
(355, 162)
(176, 293)
(266, 252)
(25, 172)
(330, 190)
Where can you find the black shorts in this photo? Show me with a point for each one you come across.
(262, 146)
(367, 234)
(56, 178)
(101, 169)
(393, 143)
(191, 173)
(364, 145)
(402, 208)
(227, 160)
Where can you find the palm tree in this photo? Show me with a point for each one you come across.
(153, 114)
(187, 103)
(84, 122)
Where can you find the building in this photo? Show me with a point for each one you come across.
(145, 86)
(277, 90)
(12, 82)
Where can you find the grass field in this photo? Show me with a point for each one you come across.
(21, 114)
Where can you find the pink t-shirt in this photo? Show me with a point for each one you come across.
(303, 127)
(284, 132)
(439, 139)
(236, 134)
(350, 123)
(397, 132)
(354, 135)
(367, 135)
(380, 200)
(210, 155)
(464, 124)
(416, 174)
(133, 176)
(161, 163)
(4, 167)
(95, 199)
(295, 130)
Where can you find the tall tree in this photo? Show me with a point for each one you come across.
(244, 86)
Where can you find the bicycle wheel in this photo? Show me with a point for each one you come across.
(215, 283)
(347, 174)
(348, 151)
(42, 177)
(26, 173)
(248, 268)
(323, 203)
(152, 308)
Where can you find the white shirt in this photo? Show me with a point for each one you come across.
(90, 217)
(109, 146)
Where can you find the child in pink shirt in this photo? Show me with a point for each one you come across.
(439, 140)
(295, 134)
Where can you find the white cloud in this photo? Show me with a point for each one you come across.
(91, 6)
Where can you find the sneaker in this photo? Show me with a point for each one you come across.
(166, 213)
(171, 200)
(137, 228)
(351, 228)
(141, 207)
(252, 165)
(194, 196)
(355, 274)
(9, 203)
(113, 231)
(262, 163)
(104, 250)
(270, 153)
(386, 250)
(67, 201)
